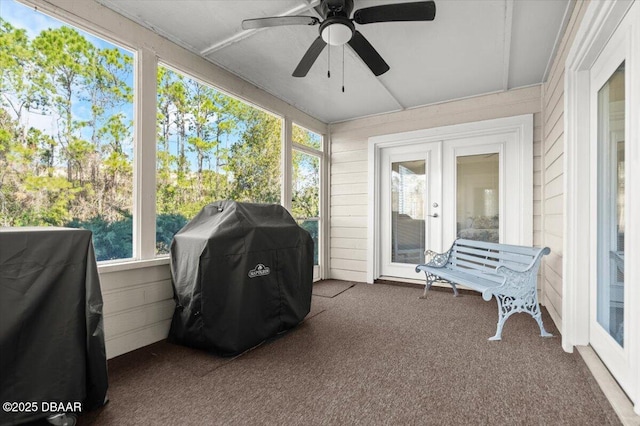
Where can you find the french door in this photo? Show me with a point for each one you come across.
(411, 199)
(610, 321)
(434, 192)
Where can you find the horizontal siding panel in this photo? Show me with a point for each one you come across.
(554, 205)
(537, 239)
(350, 254)
(360, 177)
(349, 265)
(554, 187)
(349, 222)
(553, 280)
(555, 153)
(350, 200)
(355, 166)
(537, 207)
(355, 210)
(556, 137)
(142, 316)
(339, 274)
(132, 277)
(346, 144)
(349, 233)
(537, 134)
(553, 242)
(554, 306)
(349, 243)
(554, 169)
(537, 223)
(124, 299)
(556, 95)
(537, 178)
(537, 165)
(556, 118)
(554, 261)
(554, 224)
(345, 189)
(137, 339)
(537, 149)
(349, 156)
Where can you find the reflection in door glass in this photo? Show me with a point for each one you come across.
(408, 185)
(611, 220)
(478, 197)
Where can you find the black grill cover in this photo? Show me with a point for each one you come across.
(241, 273)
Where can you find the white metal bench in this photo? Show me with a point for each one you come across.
(508, 272)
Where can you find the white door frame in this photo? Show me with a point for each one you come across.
(520, 126)
(601, 20)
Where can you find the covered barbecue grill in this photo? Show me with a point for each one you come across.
(241, 273)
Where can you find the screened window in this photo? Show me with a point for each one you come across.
(305, 203)
(66, 121)
(210, 146)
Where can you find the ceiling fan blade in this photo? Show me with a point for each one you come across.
(310, 57)
(418, 11)
(369, 55)
(277, 21)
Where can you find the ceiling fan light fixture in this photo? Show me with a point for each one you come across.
(337, 34)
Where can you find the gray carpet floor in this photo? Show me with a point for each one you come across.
(331, 288)
(374, 354)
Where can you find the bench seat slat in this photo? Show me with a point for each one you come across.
(469, 280)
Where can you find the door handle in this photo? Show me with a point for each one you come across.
(433, 215)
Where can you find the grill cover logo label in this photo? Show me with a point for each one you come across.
(259, 271)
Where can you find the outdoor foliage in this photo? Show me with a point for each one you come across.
(77, 169)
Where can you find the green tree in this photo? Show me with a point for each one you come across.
(254, 161)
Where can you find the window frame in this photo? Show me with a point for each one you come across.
(149, 50)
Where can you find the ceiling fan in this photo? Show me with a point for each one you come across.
(338, 29)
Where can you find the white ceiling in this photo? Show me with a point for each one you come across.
(472, 47)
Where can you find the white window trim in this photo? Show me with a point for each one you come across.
(320, 271)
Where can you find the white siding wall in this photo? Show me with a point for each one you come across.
(138, 306)
(553, 169)
(348, 236)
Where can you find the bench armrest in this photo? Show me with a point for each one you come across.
(517, 282)
(434, 259)
(438, 260)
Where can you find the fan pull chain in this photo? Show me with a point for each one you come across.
(329, 50)
(343, 68)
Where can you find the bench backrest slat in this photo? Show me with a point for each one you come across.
(531, 251)
(498, 256)
(481, 259)
(480, 271)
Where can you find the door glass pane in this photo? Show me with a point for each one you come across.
(478, 197)
(408, 185)
(305, 203)
(611, 211)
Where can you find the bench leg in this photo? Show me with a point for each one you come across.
(433, 278)
(509, 305)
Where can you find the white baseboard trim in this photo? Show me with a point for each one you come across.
(617, 398)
